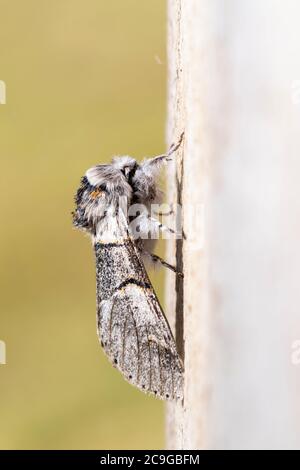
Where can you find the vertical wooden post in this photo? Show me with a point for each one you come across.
(232, 66)
(187, 423)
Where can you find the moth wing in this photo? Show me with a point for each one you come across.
(135, 333)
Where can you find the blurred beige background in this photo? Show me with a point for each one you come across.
(85, 80)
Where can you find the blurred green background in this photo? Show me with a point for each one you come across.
(85, 80)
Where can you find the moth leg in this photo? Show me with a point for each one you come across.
(164, 228)
(163, 214)
(156, 223)
(145, 224)
(158, 260)
(167, 156)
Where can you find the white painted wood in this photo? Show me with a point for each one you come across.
(234, 87)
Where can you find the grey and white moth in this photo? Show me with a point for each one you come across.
(131, 325)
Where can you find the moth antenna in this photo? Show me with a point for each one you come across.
(175, 147)
(166, 156)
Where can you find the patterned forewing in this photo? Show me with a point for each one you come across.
(131, 325)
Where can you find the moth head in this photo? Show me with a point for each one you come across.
(119, 172)
(126, 165)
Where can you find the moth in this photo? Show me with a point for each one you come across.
(131, 325)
